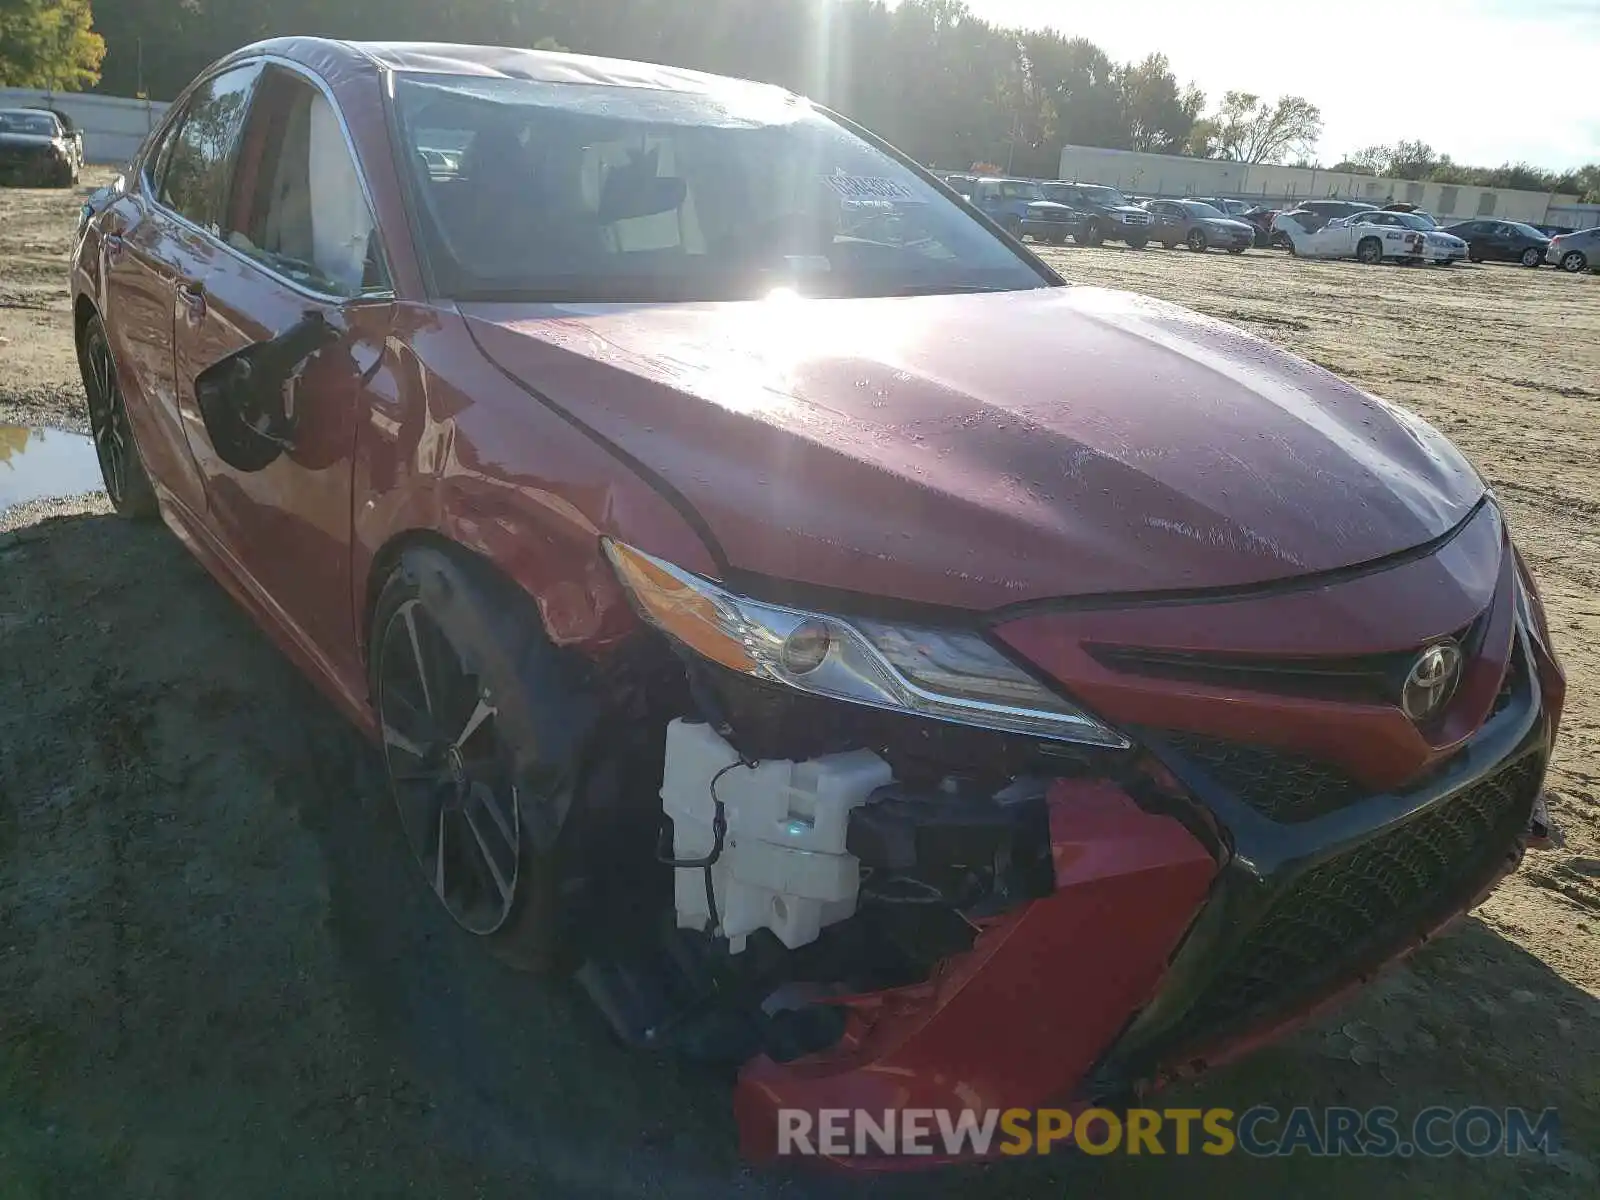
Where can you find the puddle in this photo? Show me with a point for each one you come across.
(38, 464)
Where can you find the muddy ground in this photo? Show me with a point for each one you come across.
(218, 978)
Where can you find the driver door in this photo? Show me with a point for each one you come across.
(297, 237)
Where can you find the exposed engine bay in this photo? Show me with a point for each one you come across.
(877, 848)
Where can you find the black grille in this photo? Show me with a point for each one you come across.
(1058, 214)
(1370, 899)
(1282, 787)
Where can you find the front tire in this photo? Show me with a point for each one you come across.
(1138, 242)
(1574, 262)
(1369, 251)
(1532, 257)
(484, 773)
(1196, 241)
(1092, 236)
(121, 466)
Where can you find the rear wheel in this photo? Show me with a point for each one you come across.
(1196, 240)
(1474, 254)
(1138, 241)
(121, 467)
(1574, 262)
(1532, 256)
(1093, 235)
(1369, 251)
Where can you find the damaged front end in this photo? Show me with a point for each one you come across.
(897, 870)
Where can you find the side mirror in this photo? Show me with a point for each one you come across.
(242, 397)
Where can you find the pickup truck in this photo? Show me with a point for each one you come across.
(1109, 217)
(1022, 209)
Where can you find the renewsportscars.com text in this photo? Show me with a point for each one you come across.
(1261, 1131)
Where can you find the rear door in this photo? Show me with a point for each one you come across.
(1168, 222)
(175, 197)
(297, 237)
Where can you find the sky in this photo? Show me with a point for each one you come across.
(1484, 81)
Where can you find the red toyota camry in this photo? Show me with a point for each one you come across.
(782, 601)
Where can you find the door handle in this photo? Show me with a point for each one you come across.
(193, 296)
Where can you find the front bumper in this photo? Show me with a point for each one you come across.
(1034, 227)
(1188, 924)
(27, 165)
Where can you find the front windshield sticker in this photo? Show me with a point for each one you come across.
(863, 187)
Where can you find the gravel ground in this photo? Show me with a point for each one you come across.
(217, 976)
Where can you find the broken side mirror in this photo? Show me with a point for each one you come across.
(244, 397)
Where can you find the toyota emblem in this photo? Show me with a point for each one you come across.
(1432, 681)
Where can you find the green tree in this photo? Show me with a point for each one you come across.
(49, 44)
(1252, 130)
(1156, 114)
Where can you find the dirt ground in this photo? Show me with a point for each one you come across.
(218, 978)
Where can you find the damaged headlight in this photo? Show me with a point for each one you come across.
(949, 674)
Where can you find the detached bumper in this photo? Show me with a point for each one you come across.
(1020, 1019)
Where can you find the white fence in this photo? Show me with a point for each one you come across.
(113, 127)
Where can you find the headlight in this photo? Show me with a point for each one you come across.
(947, 674)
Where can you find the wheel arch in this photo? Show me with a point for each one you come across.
(83, 311)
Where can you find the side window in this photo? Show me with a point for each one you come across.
(199, 164)
(159, 154)
(302, 212)
(988, 191)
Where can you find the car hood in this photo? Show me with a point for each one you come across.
(1230, 223)
(978, 450)
(26, 139)
(1053, 205)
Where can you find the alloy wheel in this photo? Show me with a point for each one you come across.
(1573, 262)
(1531, 257)
(108, 418)
(451, 772)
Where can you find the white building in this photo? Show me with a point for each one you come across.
(1170, 175)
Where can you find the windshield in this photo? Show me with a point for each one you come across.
(1020, 189)
(1102, 195)
(1414, 220)
(1527, 231)
(1199, 208)
(588, 193)
(38, 124)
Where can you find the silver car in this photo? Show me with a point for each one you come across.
(1575, 252)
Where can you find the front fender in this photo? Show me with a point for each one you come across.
(452, 449)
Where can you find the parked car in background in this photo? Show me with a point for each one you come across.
(1439, 246)
(1312, 215)
(1005, 201)
(39, 146)
(757, 620)
(1199, 226)
(1228, 208)
(1575, 252)
(1260, 218)
(1371, 237)
(959, 182)
(1110, 216)
(1502, 241)
(1053, 222)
